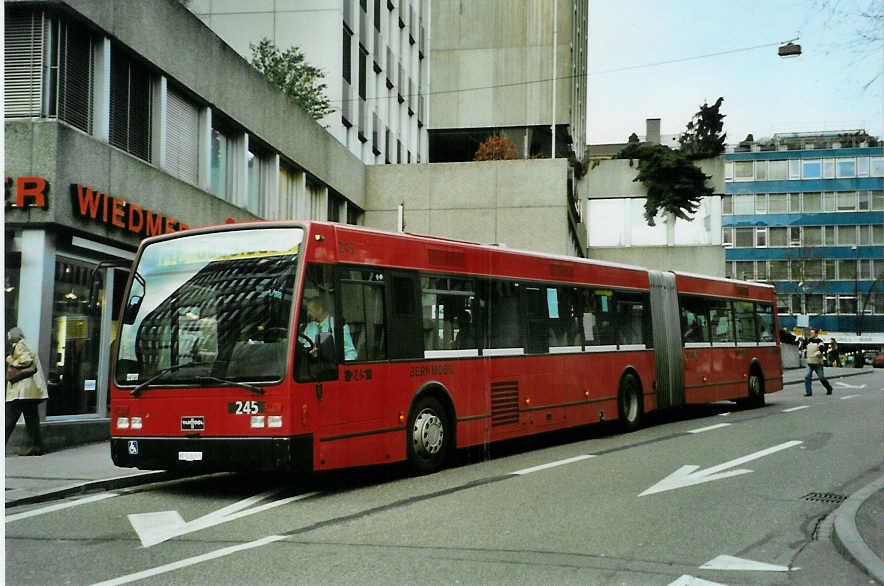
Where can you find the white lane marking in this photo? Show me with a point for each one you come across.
(552, 464)
(58, 507)
(687, 580)
(710, 428)
(725, 414)
(848, 386)
(154, 528)
(690, 474)
(795, 409)
(729, 562)
(849, 397)
(212, 555)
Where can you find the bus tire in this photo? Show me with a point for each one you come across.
(756, 390)
(429, 435)
(629, 403)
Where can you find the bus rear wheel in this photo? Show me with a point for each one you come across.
(429, 436)
(629, 403)
(756, 390)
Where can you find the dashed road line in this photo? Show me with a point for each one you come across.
(709, 428)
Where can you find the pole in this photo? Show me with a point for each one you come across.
(555, 50)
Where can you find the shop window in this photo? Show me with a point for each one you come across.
(72, 371)
(130, 105)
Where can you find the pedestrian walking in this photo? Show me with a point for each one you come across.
(25, 388)
(814, 349)
(834, 356)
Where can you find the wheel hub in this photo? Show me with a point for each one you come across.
(428, 433)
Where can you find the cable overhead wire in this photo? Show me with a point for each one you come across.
(573, 76)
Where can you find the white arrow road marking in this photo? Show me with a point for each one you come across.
(729, 562)
(847, 386)
(710, 428)
(60, 506)
(552, 464)
(687, 580)
(688, 475)
(795, 409)
(154, 528)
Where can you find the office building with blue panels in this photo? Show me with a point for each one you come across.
(805, 212)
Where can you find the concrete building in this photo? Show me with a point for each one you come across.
(510, 67)
(805, 211)
(618, 232)
(373, 53)
(116, 131)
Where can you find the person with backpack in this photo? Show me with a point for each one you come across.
(814, 349)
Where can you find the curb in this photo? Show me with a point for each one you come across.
(847, 537)
(801, 380)
(91, 486)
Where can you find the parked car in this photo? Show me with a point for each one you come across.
(878, 361)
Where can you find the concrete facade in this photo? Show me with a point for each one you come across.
(492, 69)
(518, 204)
(394, 41)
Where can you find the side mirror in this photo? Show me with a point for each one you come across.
(131, 309)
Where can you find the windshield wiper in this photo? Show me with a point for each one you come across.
(253, 388)
(140, 388)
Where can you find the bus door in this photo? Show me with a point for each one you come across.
(667, 340)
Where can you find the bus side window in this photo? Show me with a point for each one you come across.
(319, 334)
(764, 317)
(599, 319)
(720, 320)
(744, 315)
(449, 313)
(362, 311)
(633, 319)
(503, 315)
(694, 323)
(534, 306)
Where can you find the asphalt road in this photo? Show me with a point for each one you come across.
(711, 493)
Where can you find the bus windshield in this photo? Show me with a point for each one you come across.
(209, 307)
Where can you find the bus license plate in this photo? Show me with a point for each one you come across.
(190, 456)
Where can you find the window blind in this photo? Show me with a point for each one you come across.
(23, 63)
(182, 137)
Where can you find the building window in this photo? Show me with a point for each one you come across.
(847, 270)
(779, 270)
(813, 202)
(794, 236)
(863, 201)
(778, 170)
(846, 201)
(828, 168)
(846, 235)
(761, 237)
(877, 200)
(876, 166)
(814, 303)
(760, 203)
(795, 203)
(846, 168)
(761, 170)
(777, 237)
(727, 237)
(847, 305)
(130, 105)
(813, 236)
(794, 169)
(745, 270)
(831, 267)
(828, 201)
(743, 171)
(744, 204)
(182, 137)
(346, 55)
(744, 237)
(778, 203)
(727, 205)
(729, 171)
(220, 172)
(255, 181)
(811, 169)
(862, 166)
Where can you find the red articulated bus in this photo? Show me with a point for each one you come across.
(314, 346)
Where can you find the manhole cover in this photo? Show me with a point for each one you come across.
(824, 497)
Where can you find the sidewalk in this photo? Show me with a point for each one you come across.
(88, 468)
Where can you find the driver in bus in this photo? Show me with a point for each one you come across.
(322, 322)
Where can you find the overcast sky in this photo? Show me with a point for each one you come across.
(826, 88)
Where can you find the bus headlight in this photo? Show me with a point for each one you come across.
(135, 422)
(274, 421)
(257, 421)
(122, 423)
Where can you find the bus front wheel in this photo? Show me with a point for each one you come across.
(629, 403)
(429, 435)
